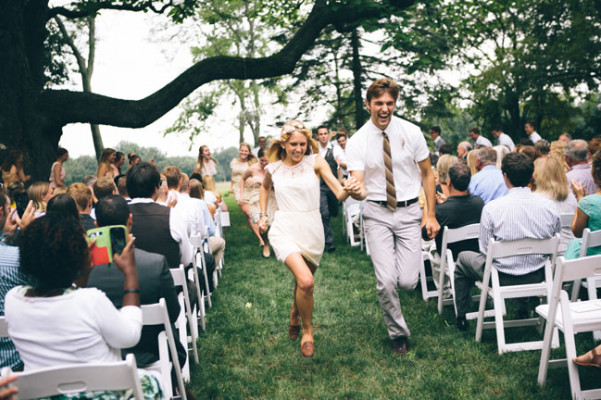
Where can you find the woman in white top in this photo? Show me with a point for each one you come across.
(57, 171)
(297, 233)
(552, 183)
(59, 321)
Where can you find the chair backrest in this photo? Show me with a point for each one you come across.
(77, 378)
(178, 275)
(566, 219)
(196, 241)
(523, 247)
(3, 327)
(589, 239)
(578, 268)
(454, 235)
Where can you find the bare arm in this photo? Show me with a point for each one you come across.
(323, 170)
(579, 223)
(428, 183)
(263, 200)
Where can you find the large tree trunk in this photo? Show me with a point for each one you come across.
(22, 125)
(357, 88)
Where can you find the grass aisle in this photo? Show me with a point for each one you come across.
(246, 354)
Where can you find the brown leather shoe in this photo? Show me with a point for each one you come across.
(400, 345)
(294, 331)
(307, 349)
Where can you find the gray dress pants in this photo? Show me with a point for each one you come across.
(395, 243)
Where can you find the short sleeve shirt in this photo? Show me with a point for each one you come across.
(364, 152)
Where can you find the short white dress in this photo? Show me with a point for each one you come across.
(297, 226)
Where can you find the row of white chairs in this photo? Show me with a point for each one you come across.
(570, 317)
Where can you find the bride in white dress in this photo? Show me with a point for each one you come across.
(296, 234)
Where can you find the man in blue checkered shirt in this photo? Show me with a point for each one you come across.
(10, 276)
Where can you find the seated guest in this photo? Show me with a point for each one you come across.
(576, 156)
(63, 206)
(488, 183)
(459, 209)
(40, 193)
(103, 187)
(120, 181)
(518, 215)
(442, 170)
(155, 282)
(153, 226)
(551, 182)
(203, 222)
(463, 148)
(83, 199)
(10, 275)
(58, 320)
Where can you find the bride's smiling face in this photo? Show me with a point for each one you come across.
(296, 146)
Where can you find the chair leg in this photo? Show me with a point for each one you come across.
(572, 368)
(499, 324)
(543, 366)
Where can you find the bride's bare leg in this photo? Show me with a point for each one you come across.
(303, 296)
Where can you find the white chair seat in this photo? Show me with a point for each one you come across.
(584, 315)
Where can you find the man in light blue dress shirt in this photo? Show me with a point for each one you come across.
(488, 183)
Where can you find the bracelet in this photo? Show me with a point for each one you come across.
(263, 214)
(126, 291)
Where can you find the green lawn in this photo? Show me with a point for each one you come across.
(246, 354)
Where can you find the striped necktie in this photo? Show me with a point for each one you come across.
(390, 190)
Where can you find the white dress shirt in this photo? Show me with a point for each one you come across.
(482, 141)
(505, 140)
(534, 137)
(364, 152)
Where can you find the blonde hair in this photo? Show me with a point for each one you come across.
(442, 166)
(209, 183)
(277, 151)
(558, 152)
(471, 161)
(35, 193)
(502, 151)
(550, 178)
(251, 159)
(81, 194)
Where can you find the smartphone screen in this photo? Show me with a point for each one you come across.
(21, 201)
(117, 239)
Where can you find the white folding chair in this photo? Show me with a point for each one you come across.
(185, 319)
(447, 263)
(423, 278)
(570, 318)
(3, 327)
(77, 378)
(500, 293)
(566, 219)
(589, 239)
(199, 261)
(351, 210)
(157, 314)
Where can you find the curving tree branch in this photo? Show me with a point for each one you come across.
(92, 9)
(67, 106)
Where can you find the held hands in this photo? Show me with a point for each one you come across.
(352, 186)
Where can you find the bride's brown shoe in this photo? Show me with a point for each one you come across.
(590, 359)
(294, 331)
(307, 349)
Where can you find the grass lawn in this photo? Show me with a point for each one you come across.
(246, 354)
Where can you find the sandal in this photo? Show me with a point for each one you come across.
(294, 331)
(590, 359)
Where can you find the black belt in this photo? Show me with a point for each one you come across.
(403, 203)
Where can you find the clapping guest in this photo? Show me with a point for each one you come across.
(12, 168)
(588, 212)
(40, 193)
(57, 171)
